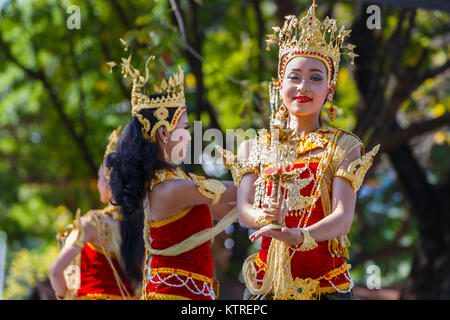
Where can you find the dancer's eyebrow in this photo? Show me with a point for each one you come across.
(314, 69)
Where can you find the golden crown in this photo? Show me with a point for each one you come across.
(308, 37)
(173, 97)
(113, 141)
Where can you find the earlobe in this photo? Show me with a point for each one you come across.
(163, 134)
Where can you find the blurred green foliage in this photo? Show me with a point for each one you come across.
(51, 72)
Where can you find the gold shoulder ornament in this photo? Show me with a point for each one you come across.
(238, 166)
(74, 234)
(357, 169)
(209, 188)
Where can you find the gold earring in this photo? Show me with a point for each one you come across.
(166, 155)
(332, 111)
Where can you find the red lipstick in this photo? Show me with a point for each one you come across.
(302, 99)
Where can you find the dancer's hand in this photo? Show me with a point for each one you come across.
(292, 236)
(273, 213)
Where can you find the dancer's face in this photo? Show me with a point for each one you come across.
(102, 185)
(179, 139)
(305, 86)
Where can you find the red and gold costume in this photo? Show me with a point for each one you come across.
(304, 181)
(188, 275)
(178, 263)
(96, 273)
(298, 172)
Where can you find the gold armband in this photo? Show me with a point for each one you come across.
(239, 167)
(357, 169)
(308, 242)
(209, 188)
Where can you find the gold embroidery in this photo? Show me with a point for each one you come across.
(101, 296)
(163, 296)
(181, 272)
(311, 141)
(209, 288)
(209, 188)
(161, 175)
(300, 289)
(324, 290)
(308, 289)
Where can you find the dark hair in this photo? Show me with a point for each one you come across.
(131, 168)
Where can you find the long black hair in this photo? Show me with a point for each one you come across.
(131, 168)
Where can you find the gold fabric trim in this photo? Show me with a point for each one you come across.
(310, 288)
(163, 296)
(343, 286)
(100, 296)
(183, 273)
(99, 250)
(325, 290)
(163, 222)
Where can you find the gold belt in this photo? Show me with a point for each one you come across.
(308, 288)
(190, 275)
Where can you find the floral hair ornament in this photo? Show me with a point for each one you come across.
(172, 91)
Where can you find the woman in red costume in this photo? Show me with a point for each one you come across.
(298, 184)
(90, 266)
(178, 208)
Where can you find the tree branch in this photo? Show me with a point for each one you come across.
(403, 89)
(121, 12)
(40, 76)
(415, 129)
(185, 42)
(432, 74)
(195, 59)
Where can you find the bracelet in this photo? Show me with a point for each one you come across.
(308, 242)
(262, 221)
